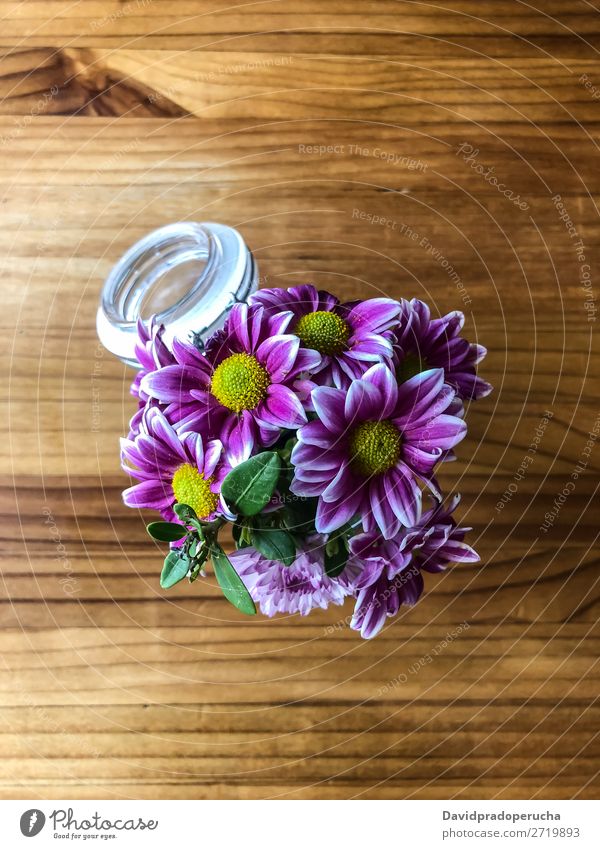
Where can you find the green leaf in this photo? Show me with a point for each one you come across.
(275, 545)
(184, 512)
(335, 563)
(174, 570)
(195, 546)
(239, 533)
(248, 487)
(199, 526)
(230, 582)
(166, 531)
(197, 562)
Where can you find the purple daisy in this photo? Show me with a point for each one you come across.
(423, 342)
(391, 569)
(240, 389)
(370, 446)
(173, 468)
(298, 588)
(350, 337)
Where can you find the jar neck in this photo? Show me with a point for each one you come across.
(188, 275)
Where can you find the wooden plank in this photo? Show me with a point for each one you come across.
(218, 153)
(460, 27)
(210, 84)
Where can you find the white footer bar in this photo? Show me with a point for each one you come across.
(300, 824)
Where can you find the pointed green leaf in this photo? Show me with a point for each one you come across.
(166, 531)
(230, 582)
(184, 512)
(174, 570)
(275, 544)
(248, 487)
(197, 562)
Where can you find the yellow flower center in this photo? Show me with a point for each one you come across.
(374, 447)
(323, 331)
(411, 365)
(192, 488)
(239, 382)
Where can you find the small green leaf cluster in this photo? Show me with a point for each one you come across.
(268, 517)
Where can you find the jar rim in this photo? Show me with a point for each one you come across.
(228, 275)
(119, 285)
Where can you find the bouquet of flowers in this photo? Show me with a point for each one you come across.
(313, 428)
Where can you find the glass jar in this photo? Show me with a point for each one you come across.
(187, 274)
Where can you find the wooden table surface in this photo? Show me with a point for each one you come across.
(354, 145)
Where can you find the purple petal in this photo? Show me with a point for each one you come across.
(343, 482)
(212, 455)
(404, 496)
(416, 396)
(157, 453)
(370, 347)
(316, 458)
(317, 433)
(431, 482)
(386, 519)
(279, 323)
(375, 314)
(203, 419)
(255, 326)
(371, 569)
(459, 552)
(384, 379)
(281, 408)
(303, 389)
(323, 476)
(363, 401)
(188, 355)
(370, 611)
(238, 438)
(277, 298)
(470, 386)
(305, 488)
(479, 351)
(330, 517)
(329, 406)
(418, 459)
(268, 434)
(397, 564)
(411, 590)
(307, 360)
(172, 382)
(237, 324)
(195, 448)
(131, 453)
(307, 297)
(347, 369)
(153, 494)
(442, 432)
(278, 355)
(163, 431)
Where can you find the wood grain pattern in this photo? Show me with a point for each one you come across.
(330, 135)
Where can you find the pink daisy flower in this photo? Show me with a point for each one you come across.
(239, 391)
(370, 447)
(350, 337)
